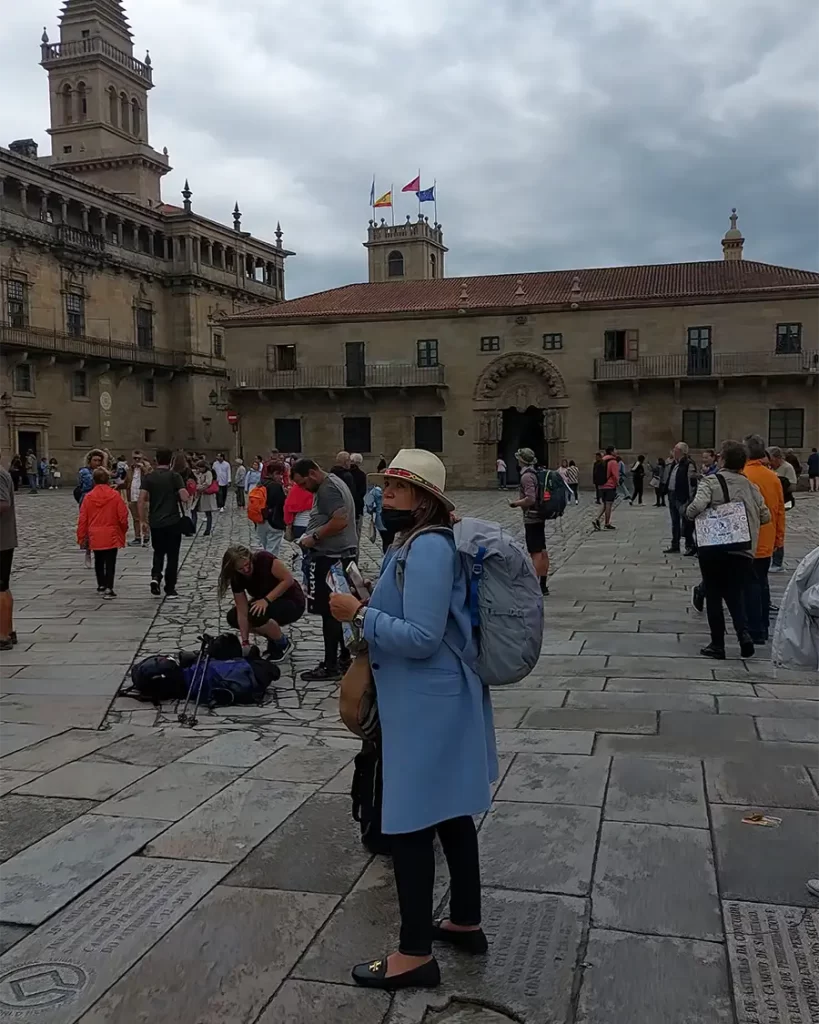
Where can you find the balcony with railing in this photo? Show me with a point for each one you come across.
(339, 378)
(76, 238)
(53, 53)
(39, 340)
(707, 364)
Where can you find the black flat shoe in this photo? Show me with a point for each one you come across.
(373, 975)
(746, 646)
(713, 652)
(470, 942)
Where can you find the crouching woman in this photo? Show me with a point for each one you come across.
(265, 597)
(438, 739)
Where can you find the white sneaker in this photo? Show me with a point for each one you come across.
(777, 568)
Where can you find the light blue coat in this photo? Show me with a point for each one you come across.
(436, 715)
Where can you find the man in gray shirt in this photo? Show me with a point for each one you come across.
(8, 542)
(330, 537)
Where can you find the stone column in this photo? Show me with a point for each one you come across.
(63, 210)
(44, 206)
(104, 224)
(136, 236)
(24, 199)
(120, 231)
(85, 212)
(151, 234)
(222, 258)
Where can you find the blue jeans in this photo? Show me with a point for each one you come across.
(32, 482)
(758, 600)
(270, 539)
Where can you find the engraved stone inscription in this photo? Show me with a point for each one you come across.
(62, 968)
(774, 954)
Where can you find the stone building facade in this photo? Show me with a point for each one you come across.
(564, 362)
(110, 299)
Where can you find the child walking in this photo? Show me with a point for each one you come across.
(102, 527)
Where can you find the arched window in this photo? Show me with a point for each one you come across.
(113, 107)
(82, 102)
(395, 264)
(433, 265)
(124, 107)
(136, 118)
(68, 114)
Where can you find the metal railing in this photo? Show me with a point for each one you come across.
(708, 364)
(389, 375)
(79, 239)
(37, 339)
(93, 45)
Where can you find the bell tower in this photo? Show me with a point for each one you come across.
(413, 251)
(99, 101)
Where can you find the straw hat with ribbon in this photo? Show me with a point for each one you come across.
(420, 468)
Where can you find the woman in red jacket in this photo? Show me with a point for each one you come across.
(102, 527)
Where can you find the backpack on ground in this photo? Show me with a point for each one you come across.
(156, 679)
(257, 504)
(367, 792)
(225, 647)
(505, 602)
(227, 682)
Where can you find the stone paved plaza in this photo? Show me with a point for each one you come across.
(214, 876)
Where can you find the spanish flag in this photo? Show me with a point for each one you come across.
(385, 200)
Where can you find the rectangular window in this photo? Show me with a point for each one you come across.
(618, 345)
(788, 338)
(615, 429)
(428, 352)
(148, 435)
(82, 435)
(145, 327)
(786, 427)
(17, 303)
(75, 314)
(24, 378)
(281, 357)
(218, 346)
(429, 433)
(149, 391)
(699, 427)
(79, 384)
(490, 344)
(288, 435)
(357, 434)
(552, 341)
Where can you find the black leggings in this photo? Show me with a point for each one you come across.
(105, 566)
(638, 490)
(725, 577)
(413, 861)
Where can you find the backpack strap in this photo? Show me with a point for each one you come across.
(725, 496)
(403, 551)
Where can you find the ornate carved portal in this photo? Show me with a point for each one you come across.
(515, 407)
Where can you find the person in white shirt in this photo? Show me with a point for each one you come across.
(501, 471)
(130, 487)
(221, 470)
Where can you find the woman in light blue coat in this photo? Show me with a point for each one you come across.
(438, 738)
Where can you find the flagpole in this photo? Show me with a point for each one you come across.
(392, 202)
(435, 198)
(372, 196)
(417, 194)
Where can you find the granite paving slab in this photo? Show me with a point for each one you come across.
(230, 824)
(81, 712)
(58, 750)
(774, 956)
(91, 686)
(170, 792)
(222, 963)
(515, 697)
(556, 779)
(793, 730)
(645, 979)
(546, 682)
(10, 780)
(307, 1002)
(539, 847)
(11, 934)
(543, 741)
(508, 718)
(342, 782)
(554, 665)
(302, 764)
(647, 666)
(766, 865)
(700, 726)
(235, 749)
(787, 691)
(653, 790)
(676, 685)
(760, 785)
(592, 720)
(770, 707)
(86, 779)
(87, 946)
(706, 747)
(159, 748)
(623, 643)
(27, 819)
(615, 700)
(46, 876)
(637, 881)
(16, 736)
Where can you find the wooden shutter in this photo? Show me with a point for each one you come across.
(632, 344)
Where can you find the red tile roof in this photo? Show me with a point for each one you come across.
(601, 286)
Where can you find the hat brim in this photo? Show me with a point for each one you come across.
(379, 478)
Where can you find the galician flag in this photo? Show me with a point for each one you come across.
(385, 200)
(414, 185)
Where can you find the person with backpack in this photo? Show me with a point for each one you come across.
(608, 489)
(265, 508)
(265, 597)
(529, 502)
(437, 732)
(85, 484)
(598, 476)
(727, 570)
(638, 478)
(102, 527)
(253, 476)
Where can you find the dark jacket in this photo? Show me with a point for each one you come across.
(359, 489)
(685, 480)
(275, 504)
(347, 477)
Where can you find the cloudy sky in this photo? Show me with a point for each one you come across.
(562, 133)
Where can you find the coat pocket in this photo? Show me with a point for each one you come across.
(437, 682)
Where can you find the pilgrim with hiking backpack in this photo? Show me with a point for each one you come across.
(424, 632)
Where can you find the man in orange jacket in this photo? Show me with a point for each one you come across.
(771, 535)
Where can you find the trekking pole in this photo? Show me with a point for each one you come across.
(183, 714)
(192, 718)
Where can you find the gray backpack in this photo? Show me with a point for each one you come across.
(505, 602)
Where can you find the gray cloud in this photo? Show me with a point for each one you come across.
(567, 133)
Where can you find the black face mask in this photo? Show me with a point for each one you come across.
(397, 520)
